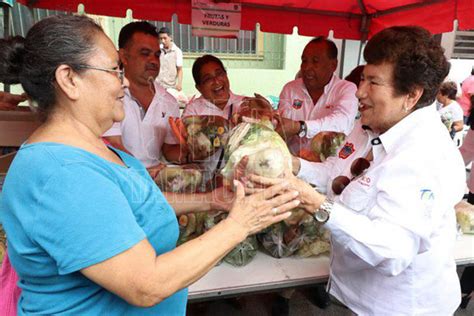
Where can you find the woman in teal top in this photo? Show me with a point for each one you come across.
(89, 233)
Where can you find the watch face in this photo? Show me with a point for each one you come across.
(321, 216)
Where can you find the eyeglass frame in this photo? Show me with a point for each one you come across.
(120, 73)
(209, 79)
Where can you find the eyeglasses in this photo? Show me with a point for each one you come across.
(120, 73)
(207, 79)
(357, 168)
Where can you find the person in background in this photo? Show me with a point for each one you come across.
(450, 111)
(319, 100)
(171, 66)
(89, 232)
(355, 75)
(389, 193)
(145, 132)
(467, 89)
(210, 77)
(9, 101)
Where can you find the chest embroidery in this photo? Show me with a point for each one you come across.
(346, 150)
(297, 104)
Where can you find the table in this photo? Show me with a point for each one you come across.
(266, 273)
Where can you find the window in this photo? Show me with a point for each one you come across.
(245, 44)
(464, 45)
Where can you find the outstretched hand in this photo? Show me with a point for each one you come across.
(262, 209)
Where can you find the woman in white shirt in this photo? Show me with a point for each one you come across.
(389, 194)
(450, 111)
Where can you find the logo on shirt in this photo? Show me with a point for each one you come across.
(297, 104)
(163, 114)
(328, 106)
(346, 150)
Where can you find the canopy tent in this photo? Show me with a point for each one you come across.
(349, 19)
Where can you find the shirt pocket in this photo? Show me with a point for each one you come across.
(359, 195)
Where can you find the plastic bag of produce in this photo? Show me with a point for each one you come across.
(202, 135)
(255, 108)
(323, 145)
(179, 179)
(465, 217)
(244, 252)
(267, 151)
(191, 225)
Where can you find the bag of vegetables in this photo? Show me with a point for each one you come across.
(267, 151)
(255, 108)
(179, 179)
(323, 145)
(201, 135)
(465, 217)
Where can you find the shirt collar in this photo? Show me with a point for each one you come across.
(400, 132)
(172, 48)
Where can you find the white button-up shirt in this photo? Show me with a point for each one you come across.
(143, 134)
(202, 106)
(393, 228)
(335, 110)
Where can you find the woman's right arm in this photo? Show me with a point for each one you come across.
(143, 279)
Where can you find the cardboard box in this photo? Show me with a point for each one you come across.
(16, 127)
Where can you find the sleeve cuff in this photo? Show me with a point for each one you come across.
(313, 128)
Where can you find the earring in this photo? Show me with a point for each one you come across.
(405, 108)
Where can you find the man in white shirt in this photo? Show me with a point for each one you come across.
(145, 132)
(319, 100)
(171, 66)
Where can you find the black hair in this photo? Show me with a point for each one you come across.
(32, 61)
(164, 30)
(418, 60)
(126, 33)
(331, 47)
(200, 62)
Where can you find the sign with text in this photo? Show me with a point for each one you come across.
(216, 18)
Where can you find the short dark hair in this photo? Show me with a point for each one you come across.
(126, 33)
(164, 30)
(200, 62)
(331, 47)
(449, 89)
(355, 75)
(418, 60)
(32, 61)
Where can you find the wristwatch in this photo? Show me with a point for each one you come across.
(322, 213)
(303, 129)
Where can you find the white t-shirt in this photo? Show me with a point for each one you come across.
(452, 112)
(335, 110)
(143, 134)
(170, 59)
(393, 229)
(202, 106)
